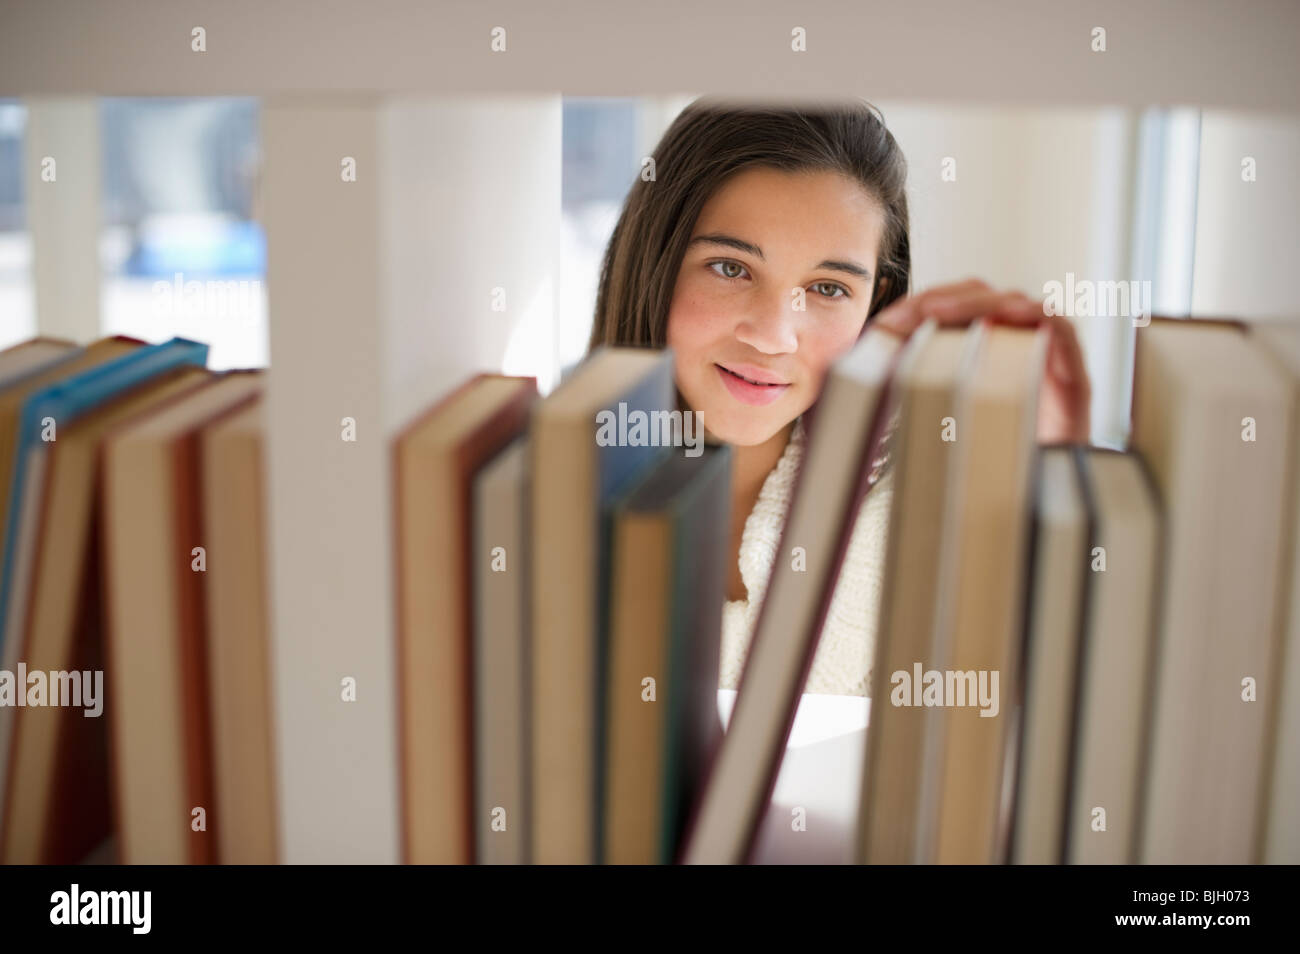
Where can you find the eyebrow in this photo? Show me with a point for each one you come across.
(730, 241)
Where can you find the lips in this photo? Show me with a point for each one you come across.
(747, 390)
(753, 374)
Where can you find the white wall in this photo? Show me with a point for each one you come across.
(1038, 193)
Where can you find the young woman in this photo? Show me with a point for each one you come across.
(746, 205)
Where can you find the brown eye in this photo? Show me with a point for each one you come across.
(728, 264)
(831, 285)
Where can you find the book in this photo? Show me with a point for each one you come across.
(1281, 832)
(669, 538)
(435, 460)
(1123, 566)
(155, 557)
(1061, 534)
(35, 410)
(925, 386)
(844, 430)
(982, 586)
(12, 397)
(819, 778)
(32, 357)
(57, 799)
(558, 592)
(233, 507)
(1211, 419)
(42, 411)
(578, 463)
(501, 684)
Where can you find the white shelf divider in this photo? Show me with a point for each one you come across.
(380, 296)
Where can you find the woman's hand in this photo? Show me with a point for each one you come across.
(1064, 399)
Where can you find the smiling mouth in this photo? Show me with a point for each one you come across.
(741, 377)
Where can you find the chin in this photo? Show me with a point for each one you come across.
(727, 419)
(744, 427)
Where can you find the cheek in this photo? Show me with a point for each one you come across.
(822, 345)
(694, 324)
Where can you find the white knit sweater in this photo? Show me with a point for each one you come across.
(842, 662)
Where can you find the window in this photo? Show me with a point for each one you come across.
(181, 251)
(17, 307)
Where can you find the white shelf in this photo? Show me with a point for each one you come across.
(822, 774)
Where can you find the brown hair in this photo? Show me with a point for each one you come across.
(709, 141)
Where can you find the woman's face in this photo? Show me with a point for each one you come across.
(764, 237)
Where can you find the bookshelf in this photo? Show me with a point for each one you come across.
(368, 279)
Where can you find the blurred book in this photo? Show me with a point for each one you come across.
(1121, 569)
(435, 461)
(813, 813)
(669, 536)
(60, 809)
(31, 413)
(558, 586)
(18, 433)
(925, 457)
(1060, 537)
(1213, 421)
(845, 430)
(232, 459)
(501, 639)
(576, 469)
(1281, 831)
(30, 357)
(978, 628)
(157, 640)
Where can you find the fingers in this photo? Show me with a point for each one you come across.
(1066, 395)
(1067, 391)
(905, 315)
(957, 304)
(1065, 355)
(960, 303)
(1010, 306)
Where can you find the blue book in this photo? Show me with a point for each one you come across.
(64, 402)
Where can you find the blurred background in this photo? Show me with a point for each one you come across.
(1158, 195)
(176, 185)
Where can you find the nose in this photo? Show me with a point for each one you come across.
(770, 327)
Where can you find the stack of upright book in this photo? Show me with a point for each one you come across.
(559, 597)
(128, 689)
(1082, 655)
(1097, 664)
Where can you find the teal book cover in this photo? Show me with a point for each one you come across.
(66, 401)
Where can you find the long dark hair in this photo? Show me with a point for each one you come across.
(711, 140)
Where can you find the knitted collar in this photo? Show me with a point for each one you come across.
(762, 533)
